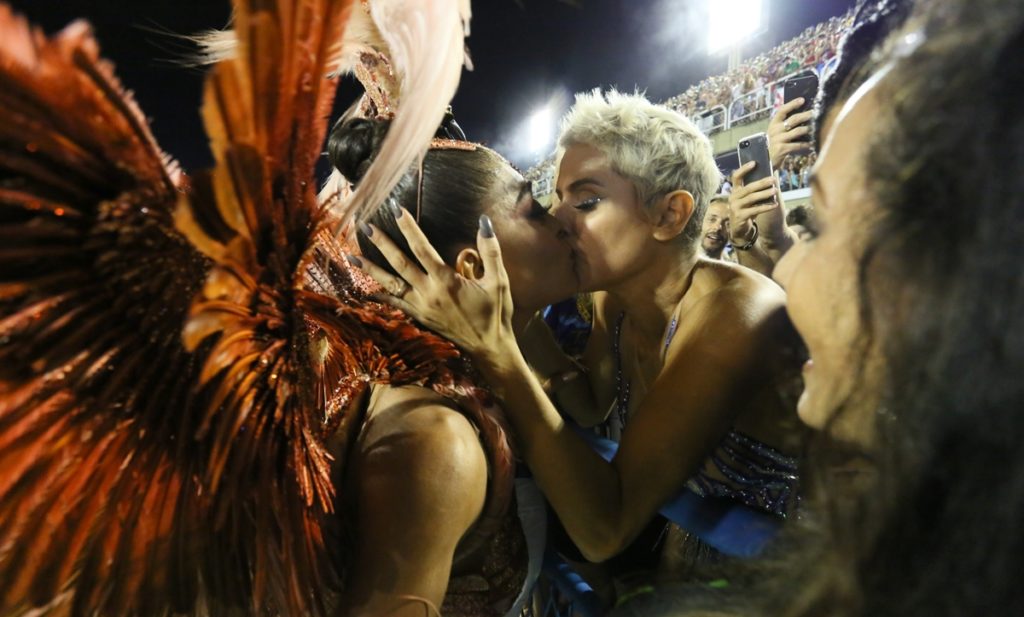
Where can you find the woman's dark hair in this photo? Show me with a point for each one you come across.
(938, 531)
(457, 187)
(873, 21)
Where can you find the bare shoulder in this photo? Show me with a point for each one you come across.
(730, 293)
(733, 310)
(421, 436)
(416, 482)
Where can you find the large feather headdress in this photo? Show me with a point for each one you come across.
(174, 351)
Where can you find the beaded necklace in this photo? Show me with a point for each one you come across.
(621, 385)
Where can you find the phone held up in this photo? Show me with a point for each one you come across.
(755, 148)
(802, 85)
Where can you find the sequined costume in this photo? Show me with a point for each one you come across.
(175, 352)
(739, 468)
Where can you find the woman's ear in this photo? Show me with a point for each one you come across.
(672, 213)
(469, 264)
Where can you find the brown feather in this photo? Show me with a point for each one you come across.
(178, 362)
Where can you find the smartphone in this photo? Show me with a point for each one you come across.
(755, 148)
(802, 85)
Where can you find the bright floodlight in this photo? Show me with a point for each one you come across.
(732, 21)
(540, 129)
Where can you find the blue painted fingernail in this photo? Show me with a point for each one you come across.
(366, 230)
(355, 261)
(396, 210)
(486, 229)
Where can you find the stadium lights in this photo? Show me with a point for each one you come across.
(731, 21)
(540, 129)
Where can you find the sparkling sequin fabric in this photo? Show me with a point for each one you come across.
(740, 468)
(745, 470)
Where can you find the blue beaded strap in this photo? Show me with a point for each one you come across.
(621, 385)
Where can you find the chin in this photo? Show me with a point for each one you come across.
(809, 410)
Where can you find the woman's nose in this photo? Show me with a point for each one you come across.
(557, 223)
(564, 215)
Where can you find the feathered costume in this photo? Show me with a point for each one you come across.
(175, 352)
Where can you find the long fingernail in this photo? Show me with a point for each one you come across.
(486, 229)
(355, 261)
(396, 210)
(366, 229)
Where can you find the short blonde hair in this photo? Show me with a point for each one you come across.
(656, 148)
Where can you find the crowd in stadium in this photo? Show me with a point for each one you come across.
(745, 91)
(745, 95)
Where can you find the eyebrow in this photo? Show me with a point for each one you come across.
(575, 186)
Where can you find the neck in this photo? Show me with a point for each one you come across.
(650, 300)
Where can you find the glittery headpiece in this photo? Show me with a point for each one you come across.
(450, 137)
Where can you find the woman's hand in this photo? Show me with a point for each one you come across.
(785, 130)
(473, 312)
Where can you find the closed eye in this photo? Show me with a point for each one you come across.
(587, 204)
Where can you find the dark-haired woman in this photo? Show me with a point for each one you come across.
(912, 305)
(429, 518)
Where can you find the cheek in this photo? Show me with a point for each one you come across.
(608, 230)
(822, 300)
(525, 250)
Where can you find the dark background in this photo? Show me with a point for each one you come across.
(525, 52)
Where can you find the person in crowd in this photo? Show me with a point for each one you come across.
(799, 220)
(687, 362)
(714, 235)
(446, 459)
(788, 132)
(911, 306)
(782, 177)
(716, 239)
(250, 432)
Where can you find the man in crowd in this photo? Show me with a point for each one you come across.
(717, 243)
(715, 233)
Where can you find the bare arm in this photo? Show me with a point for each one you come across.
(756, 259)
(418, 481)
(687, 410)
(565, 380)
(689, 407)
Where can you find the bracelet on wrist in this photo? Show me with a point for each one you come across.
(750, 243)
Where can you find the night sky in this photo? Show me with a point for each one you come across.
(525, 53)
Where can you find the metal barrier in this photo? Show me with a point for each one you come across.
(712, 120)
(747, 107)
